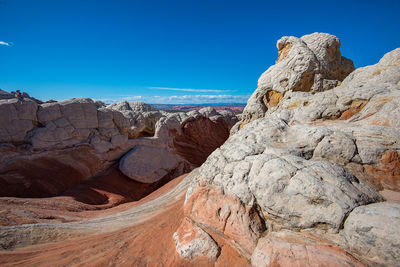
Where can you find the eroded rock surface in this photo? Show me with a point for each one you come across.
(225, 215)
(200, 137)
(142, 117)
(373, 231)
(315, 144)
(181, 142)
(192, 241)
(272, 164)
(51, 147)
(312, 63)
(290, 249)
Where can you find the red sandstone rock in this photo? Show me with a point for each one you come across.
(48, 173)
(387, 173)
(200, 137)
(274, 251)
(226, 215)
(96, 197)
(191, 241)
(146, 244)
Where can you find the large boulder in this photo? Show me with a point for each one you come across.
(48, 148)
(148, 164)
(191, 242)
(373, 231)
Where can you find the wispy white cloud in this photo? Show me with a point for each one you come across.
(188, 90)
(5, 43)
(181, 99)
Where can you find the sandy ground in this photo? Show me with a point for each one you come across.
(132, 234)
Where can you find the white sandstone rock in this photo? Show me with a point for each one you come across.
(312, 63)
(373, 232)
(148, 164)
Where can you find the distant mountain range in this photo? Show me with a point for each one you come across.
(186, 107)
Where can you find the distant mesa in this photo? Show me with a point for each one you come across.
(238, 108)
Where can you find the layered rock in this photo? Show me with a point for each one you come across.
(225, 215)
(48, 148)
(310, 153)
(55, 146)
(292, 249)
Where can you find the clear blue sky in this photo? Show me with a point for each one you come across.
(205, 51)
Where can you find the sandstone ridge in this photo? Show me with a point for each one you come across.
(298, 181)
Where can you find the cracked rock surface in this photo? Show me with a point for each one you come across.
(316, 143)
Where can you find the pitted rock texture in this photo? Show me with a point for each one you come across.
(365, 97)
(192, 241)
(312, 63)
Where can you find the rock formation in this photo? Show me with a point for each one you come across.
(6, 95)
(49, 148)
(295, 182)
(199, 242)
(312, 63)
(309, 176)
(181, 142)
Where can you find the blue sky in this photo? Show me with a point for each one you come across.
(172, 51)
